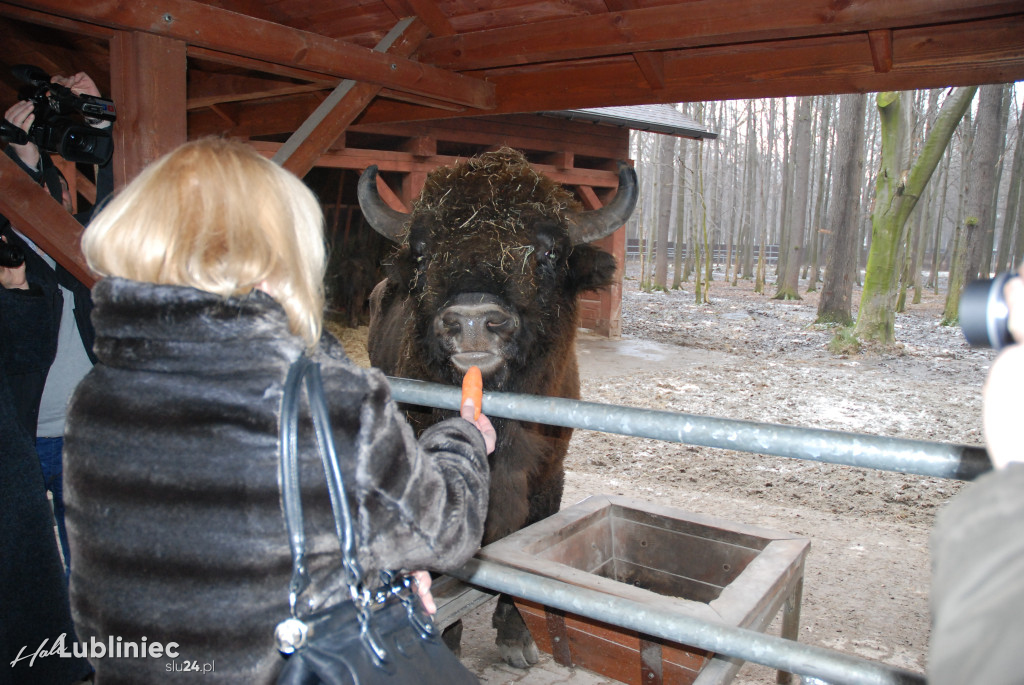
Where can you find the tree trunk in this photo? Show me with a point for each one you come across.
(981, 181)
(836, 301)
(789, 280)
(1013, 197)
(896, 193)
(666, 188)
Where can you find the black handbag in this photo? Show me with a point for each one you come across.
(381, 635)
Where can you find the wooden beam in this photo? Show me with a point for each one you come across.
(651, 64)
(346, 102)
(431, 15)
(42, 220)
(217, 57)
(148, 84)
(881, 50)
(406, 163)
(217, 29)
(972, 53)
(52, 21)
(84, 187)
(389, 196)
(695, 23)
(262, 89)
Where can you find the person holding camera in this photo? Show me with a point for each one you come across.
(42, 302)
(45, 347)
(977, 593)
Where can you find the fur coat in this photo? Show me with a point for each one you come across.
(977, 593)
(173, 501)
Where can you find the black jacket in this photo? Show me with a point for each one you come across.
(35, 313)
(33, 589)
(171, 477)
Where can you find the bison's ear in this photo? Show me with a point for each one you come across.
(590, 268)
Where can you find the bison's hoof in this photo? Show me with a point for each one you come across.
(452, 638)
(520, 655)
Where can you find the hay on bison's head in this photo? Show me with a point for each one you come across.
(492, 190)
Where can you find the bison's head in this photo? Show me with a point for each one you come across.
(494, 256)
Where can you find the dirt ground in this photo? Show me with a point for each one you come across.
(746, 356)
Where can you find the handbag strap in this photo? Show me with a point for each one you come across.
(305, 371)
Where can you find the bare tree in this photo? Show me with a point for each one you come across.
(1004, 257)
(898, 186)
(789, 280)
(985, 161)
(666, 188)
(836, 301)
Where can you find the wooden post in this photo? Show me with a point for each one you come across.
(147, 77)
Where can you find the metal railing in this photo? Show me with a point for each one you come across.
(720, 638)
(941, 460)
(935, 459)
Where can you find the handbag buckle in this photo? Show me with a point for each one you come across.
(290, 635)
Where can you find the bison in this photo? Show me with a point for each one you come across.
(489, 268)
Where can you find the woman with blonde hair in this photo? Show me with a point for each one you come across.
(212, 263)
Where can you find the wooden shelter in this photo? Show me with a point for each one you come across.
(353, 82)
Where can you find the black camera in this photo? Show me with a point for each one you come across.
(984, 316)
(11, 255)
(61, 119)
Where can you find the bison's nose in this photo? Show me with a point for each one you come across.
(475, 328)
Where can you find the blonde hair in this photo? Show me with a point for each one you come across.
(215, 215)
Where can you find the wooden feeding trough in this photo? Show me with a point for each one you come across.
(698, 565)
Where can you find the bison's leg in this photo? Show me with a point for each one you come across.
(514, 640)
(452, 637)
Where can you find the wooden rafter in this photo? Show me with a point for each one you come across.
(43, 220)
(925, 57)
(345, 103)
(672, 27)
(216, 29)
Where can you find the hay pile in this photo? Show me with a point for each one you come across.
(353, 340)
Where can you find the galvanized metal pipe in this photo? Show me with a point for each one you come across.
(939, 460)
(829, 665)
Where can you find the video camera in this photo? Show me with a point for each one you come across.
(11, 256)
(984, 315)
(61, 120)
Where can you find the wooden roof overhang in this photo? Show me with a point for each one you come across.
(304, 71)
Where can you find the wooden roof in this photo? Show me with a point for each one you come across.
(248, 58)
(303, 72)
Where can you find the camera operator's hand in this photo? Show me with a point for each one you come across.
(13, 278)
(22, 114)
(82, 84)
(1003, 387)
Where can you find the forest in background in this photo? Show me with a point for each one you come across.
(889, 191)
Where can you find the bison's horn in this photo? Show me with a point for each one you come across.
(585, 227)
(386, 221)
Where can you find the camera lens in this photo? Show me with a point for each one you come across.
(11, 255)
(984, 316)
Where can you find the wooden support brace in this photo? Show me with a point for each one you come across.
(330, 119)
(881, 50)
(45, 222)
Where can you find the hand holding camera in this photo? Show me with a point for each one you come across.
(12, 266)
(64, 115)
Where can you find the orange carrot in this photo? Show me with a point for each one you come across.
(473, 387)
